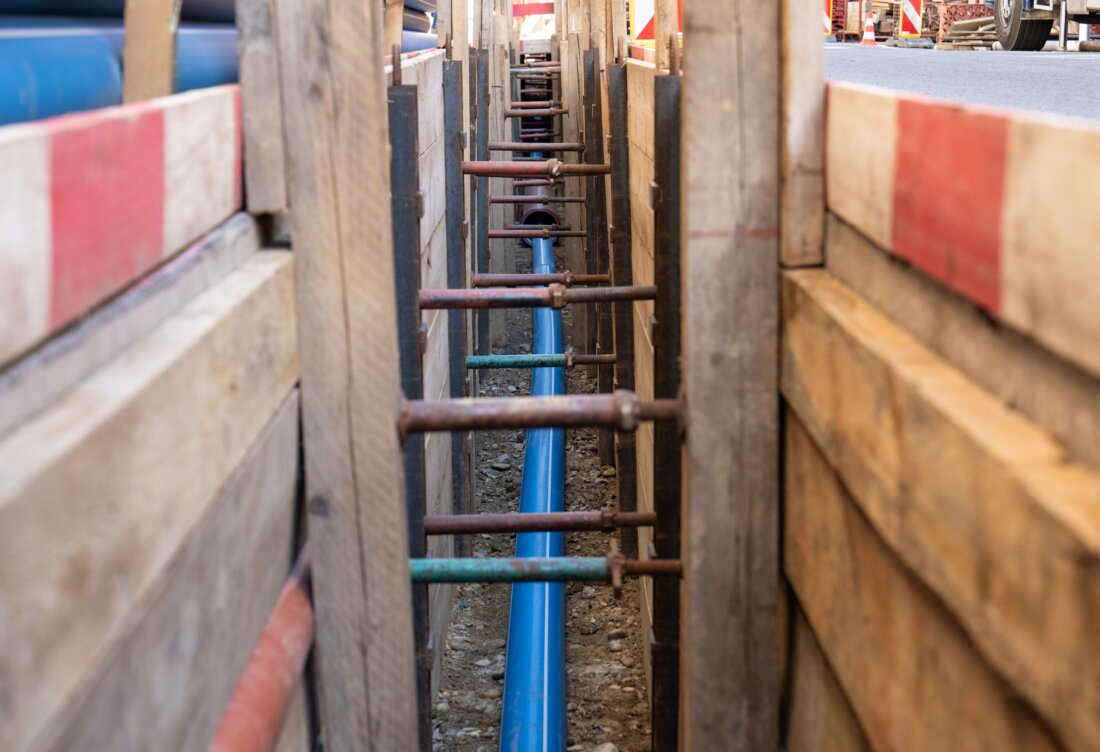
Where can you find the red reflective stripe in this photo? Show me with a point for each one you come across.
(948, 196)
(533, 9)
(107, 205)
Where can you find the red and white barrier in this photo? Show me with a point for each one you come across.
(911, 12)
(91, 202)
(992, 204)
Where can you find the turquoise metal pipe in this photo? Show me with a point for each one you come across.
(539, 360)
(557, 569)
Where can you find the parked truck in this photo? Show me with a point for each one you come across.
(1026, 24)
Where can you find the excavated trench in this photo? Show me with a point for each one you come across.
(608, 707)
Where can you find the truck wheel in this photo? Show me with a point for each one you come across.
(1014, 32)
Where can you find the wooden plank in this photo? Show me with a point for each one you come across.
(99, 199)
(731, 148)
(261, 107)
(149, 57)
(665, 25)
(802, 219)
(393, 19)
(927, 687)
(142, 417)
(977, 500)
(165, 682)
(819, 717)
(339, 194)
(33, 383)
(1046, 389)
(978, 235)
(862, 131)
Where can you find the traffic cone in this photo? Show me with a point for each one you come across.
(869, 32)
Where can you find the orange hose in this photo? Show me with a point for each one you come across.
(254, 716)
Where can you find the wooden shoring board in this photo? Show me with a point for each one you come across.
(261, 108)
(573, 131)
(99, 490)
(149, 55)
(626, 450)
(1053, 393)
(404, 199)
(101, 198)
(819, 717)
(666, 437)
(977, 231)
(980, 502)
(169, 677)
(339, 182)
(33, 383)
(912, 676)
(802, 211)
(502, 252)
(731, 186)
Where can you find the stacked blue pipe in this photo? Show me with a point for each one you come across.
(51, 66)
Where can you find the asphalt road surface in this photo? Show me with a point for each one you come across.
(1066, 83)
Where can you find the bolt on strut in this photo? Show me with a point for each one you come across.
(622, 410)
(555, 295)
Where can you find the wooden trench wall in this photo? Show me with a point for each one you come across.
(149, 436)
(932, 518)
(151, 485)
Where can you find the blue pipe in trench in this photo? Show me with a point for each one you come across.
(534, 684)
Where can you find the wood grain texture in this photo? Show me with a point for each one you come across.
(731, 148)
(333, 90)
(166, 681)
(97, 493)
(33, 383)
(819, 716)
(261, 107)
(1055, 394)
(914, 679)
(149, 57)
(981, 503)
(802, 220)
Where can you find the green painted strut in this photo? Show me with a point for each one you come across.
(516, 361)
(557, 569)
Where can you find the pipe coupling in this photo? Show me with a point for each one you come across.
(569, 357)
(627, 405)
(557, 296)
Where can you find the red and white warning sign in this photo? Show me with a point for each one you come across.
(643, 20)
(911, 11)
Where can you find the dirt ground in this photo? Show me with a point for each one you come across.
(606, 690)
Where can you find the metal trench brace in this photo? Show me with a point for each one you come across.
(617, 409)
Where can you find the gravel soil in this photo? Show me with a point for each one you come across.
(608, 710)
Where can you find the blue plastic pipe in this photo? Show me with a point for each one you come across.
(534, 680)
(53, 66)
